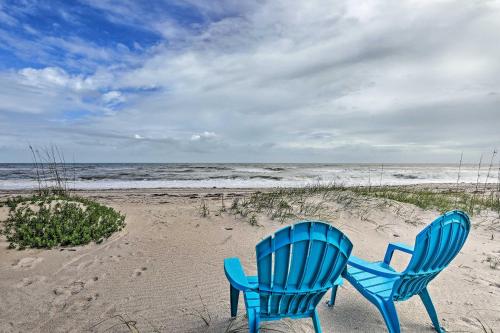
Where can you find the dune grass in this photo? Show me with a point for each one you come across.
(441, 200)
(312, 201)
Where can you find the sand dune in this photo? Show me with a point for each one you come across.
(164, 273)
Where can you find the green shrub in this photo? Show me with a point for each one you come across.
(48, 221)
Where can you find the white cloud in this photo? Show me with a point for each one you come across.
(202, 136)
(52, 91)
(113, 97)
(41, 77)
(54, 76)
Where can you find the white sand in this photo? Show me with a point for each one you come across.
(164, 272)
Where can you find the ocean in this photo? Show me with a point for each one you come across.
(253, 175)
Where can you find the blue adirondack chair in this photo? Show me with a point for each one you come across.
(435, 247)
(295, 269)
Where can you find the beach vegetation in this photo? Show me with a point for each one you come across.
(52, 173)
(253, 220)
(315, 201)
(54, 215)
(204, 210)
(222, 204)
(441, 200)
(46, 221)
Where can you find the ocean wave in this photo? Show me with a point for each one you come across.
(403, 176)
(243, 175)
(266, 177)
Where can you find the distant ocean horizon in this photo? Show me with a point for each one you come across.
(245, 175)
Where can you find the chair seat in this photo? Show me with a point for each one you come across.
(374, 284)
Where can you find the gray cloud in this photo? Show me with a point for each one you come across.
(315, 81)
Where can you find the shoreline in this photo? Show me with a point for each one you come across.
(465, 187)
(438, 185)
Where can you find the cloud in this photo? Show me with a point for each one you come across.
(113, 98)
(54, 76)
(203, 136)
(273, 81)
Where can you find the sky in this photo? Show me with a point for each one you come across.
(250, 81)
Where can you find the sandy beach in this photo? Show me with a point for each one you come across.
(164, 271)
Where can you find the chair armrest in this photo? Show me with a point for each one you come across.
(371, 267)
(396, 246)
(236, 276)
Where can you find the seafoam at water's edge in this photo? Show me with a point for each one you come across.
(125, 175)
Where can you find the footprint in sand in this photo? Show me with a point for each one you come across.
(494, 261)
(137, 254)
(115, 258)
(138, 272)
(107, 259)
(27, 262)
(28, 281)
(72, 289)
(76, 287)
(92, 297)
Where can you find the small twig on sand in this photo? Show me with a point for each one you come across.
(155, 329)
(207, 319)
(131, 324)
(383, 226)
(485, 327)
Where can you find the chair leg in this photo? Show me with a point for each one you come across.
(426, 299)
(253, 320)
(315, 319)
(234, 295)
(331, 303)
(388, 311)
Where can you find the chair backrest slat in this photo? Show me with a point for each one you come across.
(282, 256)
(298, 265)
(438, 245)
(319, 269)
(306, 255)
(265, 262)
(435, 247)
